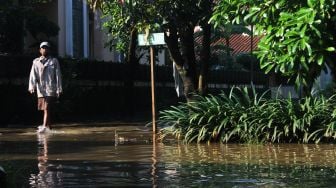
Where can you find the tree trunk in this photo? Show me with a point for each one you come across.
(313, 73)
(131, 56)
(227, 39)
(129, 79)
(332, 67)
(331, 63)
(188, 54)
(184, 58)
(205, 58)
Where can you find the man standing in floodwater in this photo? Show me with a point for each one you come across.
(45, 79)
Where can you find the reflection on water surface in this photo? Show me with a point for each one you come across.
(114, 156)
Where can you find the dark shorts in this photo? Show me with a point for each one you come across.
(45, 103)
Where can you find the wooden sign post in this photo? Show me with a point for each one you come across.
(152, 63)
(151, 40)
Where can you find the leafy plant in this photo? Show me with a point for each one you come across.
(17, 18)
(298, 36)
(244, 116)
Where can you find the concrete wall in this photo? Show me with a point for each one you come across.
(61, 24)
(59, 12)
(99, 37)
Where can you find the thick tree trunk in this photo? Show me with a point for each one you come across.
(332, 67)
(313, 73)
(206, 50)
(131, 56)
(205, 58)
(129, 79)
(184, 58)
(228, 53)
(188, 54)
(331, 63)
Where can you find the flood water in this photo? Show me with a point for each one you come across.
(126, 156)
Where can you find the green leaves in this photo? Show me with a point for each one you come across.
(243, 116)
(298, 35)
(330, 49)
(120, 19)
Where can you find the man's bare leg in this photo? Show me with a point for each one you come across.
(46, 118)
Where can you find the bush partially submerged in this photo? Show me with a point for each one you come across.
(244, 116)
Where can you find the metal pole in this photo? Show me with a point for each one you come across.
(152, 63)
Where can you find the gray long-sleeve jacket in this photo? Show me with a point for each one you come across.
(45, 77)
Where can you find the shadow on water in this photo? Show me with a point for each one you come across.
(109, 156)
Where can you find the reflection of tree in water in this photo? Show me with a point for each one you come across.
(229, 165)
(45, 177)
(249, 175)
(201, 165)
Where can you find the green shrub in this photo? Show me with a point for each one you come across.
(244, 116)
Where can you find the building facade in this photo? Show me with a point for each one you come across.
(81, 34)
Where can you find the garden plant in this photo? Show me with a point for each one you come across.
(243, 116)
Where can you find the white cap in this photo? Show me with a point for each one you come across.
(44, 44)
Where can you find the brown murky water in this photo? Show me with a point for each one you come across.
(118, 156)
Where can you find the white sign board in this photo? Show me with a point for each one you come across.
(151, 39)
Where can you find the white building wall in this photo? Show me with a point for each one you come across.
(68, 28)
(86, 35)
(60, 12)
(65, 22)
(99, 38)
(62, 26)
(65, 39)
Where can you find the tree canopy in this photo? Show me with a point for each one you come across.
(298, 36)
(176, 19)
(121, 17)
(16, 19)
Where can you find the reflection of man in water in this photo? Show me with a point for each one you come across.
(45, 176)
(42, 155)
